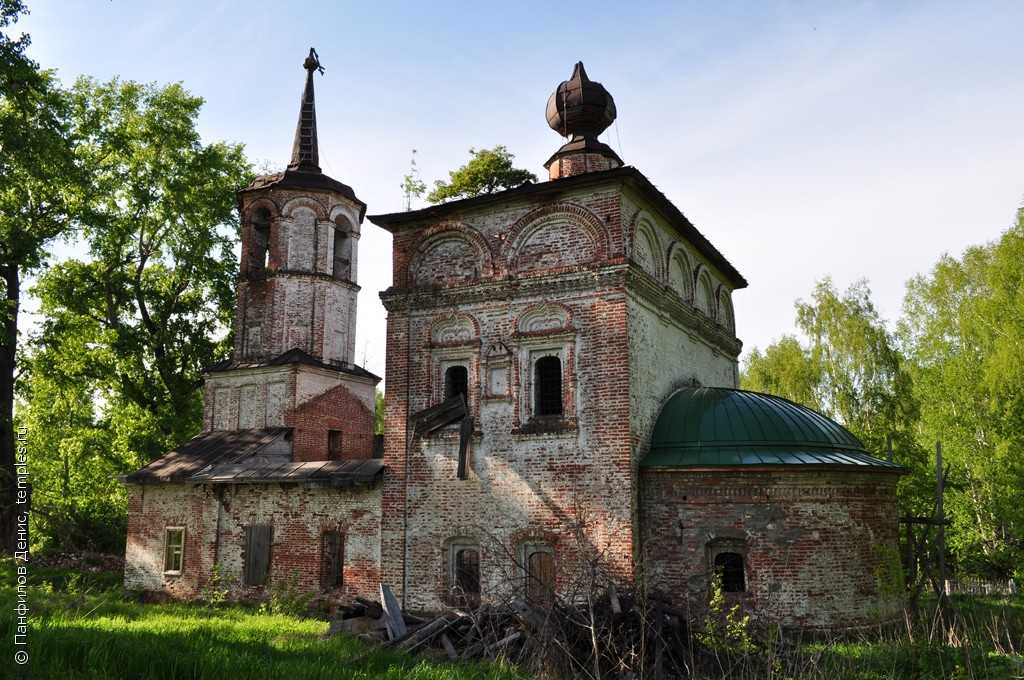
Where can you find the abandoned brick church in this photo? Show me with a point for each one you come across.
(561, 382)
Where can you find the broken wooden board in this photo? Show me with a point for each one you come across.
(392, 613)
(435, 417)
(465, 434)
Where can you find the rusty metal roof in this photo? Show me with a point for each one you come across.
(551, 190)
(293, 356)
(713, 427)
(336, 473)
(250, 457)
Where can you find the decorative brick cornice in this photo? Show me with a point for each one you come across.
(581, 279)
(660, 297)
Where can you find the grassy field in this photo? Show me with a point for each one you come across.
(83, 626)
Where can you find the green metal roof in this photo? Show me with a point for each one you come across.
(712, 427)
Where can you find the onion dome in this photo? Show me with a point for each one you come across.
(581, 109)
(717, 427)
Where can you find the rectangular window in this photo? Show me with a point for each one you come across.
(334, 444)
(547, 386)
(258, 539)
(332, 551)
(464, 575)
(174, 549)
(456, 381)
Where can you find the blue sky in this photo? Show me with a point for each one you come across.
(803, 139)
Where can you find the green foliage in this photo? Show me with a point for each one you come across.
(724, 630)
(114, 377)
(100, 634)
(378, 413)
(953, 373)
(850, 368)
(217, 590)
(286, 597)
(488, 171)
(963, 330)
(888, 572)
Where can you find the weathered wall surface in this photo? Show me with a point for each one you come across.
(813, 540)
(527, 281)
(295, 300)
(299, 516)
(336, 409)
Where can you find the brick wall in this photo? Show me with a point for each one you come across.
(336, 409)
(813, 539)
(527, 484)
(298, 516)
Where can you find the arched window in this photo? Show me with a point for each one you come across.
(466, 571)
(342, 249)
(540, 574)
(729, 567)
(456, 381)
(259, 251)
(547, 386)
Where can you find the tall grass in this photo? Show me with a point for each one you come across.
(90, 633)
(84, 627)
(982, 639)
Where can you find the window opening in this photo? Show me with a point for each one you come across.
(342, 249)
(729, 567)
(456, 381)
(548, 386)
(334, 444)
(174, 549)
(260, 238)
(466, 573)
(332, 551)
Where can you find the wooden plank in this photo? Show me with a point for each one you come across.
(434, 417)
(465, 434)
(392, 613)
(613, 599)
(259, 538)
(449, 648)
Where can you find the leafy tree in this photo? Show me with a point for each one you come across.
(39, 194)
(132, 327)
(850, 368)
(488, 171)
(378, 413)
(963, 329)
(784, 368)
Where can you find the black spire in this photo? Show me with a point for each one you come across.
(305, 155)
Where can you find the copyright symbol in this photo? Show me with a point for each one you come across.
(21, 657)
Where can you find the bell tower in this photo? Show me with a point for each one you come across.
(300, 233)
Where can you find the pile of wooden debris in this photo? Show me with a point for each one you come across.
(611, 636)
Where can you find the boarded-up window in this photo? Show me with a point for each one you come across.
(332, 551)
(174, 549)
(729, 568)
(467, 571)
(547, 387)
(334, 444)
(456, 381)
(258, 539)
(540, 575)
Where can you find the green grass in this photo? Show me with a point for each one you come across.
(83, 626)
(92, 632)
